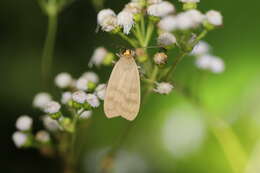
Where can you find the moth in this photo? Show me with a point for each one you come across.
(123, 95)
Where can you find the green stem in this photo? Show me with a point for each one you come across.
(138, 34)
(149, 33)
(48, 49)
(174, 65)
(142, 25)
(130, 41)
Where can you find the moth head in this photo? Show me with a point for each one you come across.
(127, 53)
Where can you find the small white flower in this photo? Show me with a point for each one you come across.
(24, 123)
(189, 1)
(161, 9)
(63, 80)
(126, 20)
(133, 7)
(50, 124)
(98, 56)
(92, 100)
(109, 23)
(184, 21)
(82, 83)
(163, 88)
(100, 91)
(196, 16)
(42, 136)
(52, 107)
(203, 62)
(79, 97)
(201, 48)
(214, 17)
(66, 97)
(168, 23)
(41, 99)
(103, 14)
(166, 39)
(19, 139)
(160, 58)
(91, 76)
(85, 115)
(217, 65)
(212, 63)
(150, 2)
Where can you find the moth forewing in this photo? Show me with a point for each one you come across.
(123, 90)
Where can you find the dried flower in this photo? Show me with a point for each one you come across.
(63, 80)
(41, 99)
(160, 58)
(161, 9)
(42, 136)
(24, 123)
(163, 88)
(125, 19)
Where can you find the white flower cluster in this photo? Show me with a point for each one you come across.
(206, 61)
(189, 19)
(163, 88)
(81, 97)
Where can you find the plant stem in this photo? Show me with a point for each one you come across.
(149, 33)
(130, 41)
(174, 65)
(47, 56)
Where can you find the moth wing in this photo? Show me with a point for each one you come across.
(123, 90)
(130, 104)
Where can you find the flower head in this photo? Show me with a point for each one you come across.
(98, 56)
(66, 97)
(24, 123)
(42, 136)
(82, 84)
(212, 63)
(150, 2)
(166, 39)
(214, 17)
(161, 9)
(133, 7)
(201, 48)
(63, 80)
(85, 115)
(79, 97)
(91, 76)
(92, 100)
(50, 124)
(163, 88)
(160, 58)
(100, 91)
(52, 107)
(19, 139)
(103, 14)
(125, 19)
(41, 99)
(168, 23)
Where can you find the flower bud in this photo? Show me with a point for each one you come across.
(160, 58)
(67, 124)
(53, 109)
(108, 60)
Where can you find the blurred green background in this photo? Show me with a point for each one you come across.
(233, 95)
